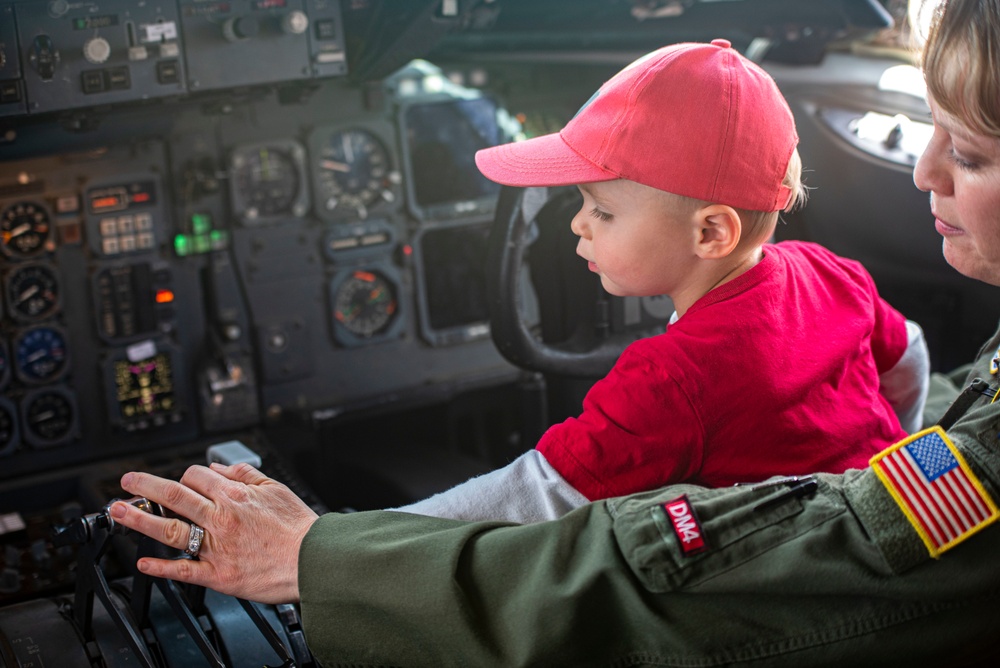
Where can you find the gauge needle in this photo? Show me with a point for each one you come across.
(265, 165)
(28, 294)
(335, 166)
(42, 417)
(348, 149)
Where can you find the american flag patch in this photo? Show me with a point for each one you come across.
(935, 488)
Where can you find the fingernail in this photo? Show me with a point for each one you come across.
(117, 510)
(126, 480)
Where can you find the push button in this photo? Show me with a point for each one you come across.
(326, 29)
(119, 78)
(10, 91)
(93, 81)
(167, 72)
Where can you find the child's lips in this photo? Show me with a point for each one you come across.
(591, 265)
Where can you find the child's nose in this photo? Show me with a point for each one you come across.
(579, 225)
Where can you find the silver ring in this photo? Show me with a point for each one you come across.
(195, 536)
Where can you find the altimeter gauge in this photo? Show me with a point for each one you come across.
(352, 173)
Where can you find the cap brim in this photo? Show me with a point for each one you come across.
(542, 161)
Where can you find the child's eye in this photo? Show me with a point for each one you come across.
(601, 215)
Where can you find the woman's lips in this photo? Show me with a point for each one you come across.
(945, 229)
(592, 267)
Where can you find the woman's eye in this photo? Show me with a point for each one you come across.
(961, 162)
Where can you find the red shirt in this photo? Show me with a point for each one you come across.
(773, 373)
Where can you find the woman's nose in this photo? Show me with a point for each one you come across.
(930, 174)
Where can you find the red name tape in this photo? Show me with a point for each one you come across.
(686, 526)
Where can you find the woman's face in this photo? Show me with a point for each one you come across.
(961, 171)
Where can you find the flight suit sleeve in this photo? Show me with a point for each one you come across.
(801, 582)
(391, 588)
(775, 574)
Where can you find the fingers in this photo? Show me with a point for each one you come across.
(229, 484)
(179, 498)
(243, 472)
(181, 570)
(169, 531)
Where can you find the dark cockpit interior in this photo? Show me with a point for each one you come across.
(257, 225)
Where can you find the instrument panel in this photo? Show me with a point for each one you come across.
(57, 55)
(182, 270)
(186, 274)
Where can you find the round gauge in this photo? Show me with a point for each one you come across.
(40, 355)
(32, 292)
(48, 416)
(24, 229)
(8, 427)
(266, 182)
(364, 304)
(352, 173)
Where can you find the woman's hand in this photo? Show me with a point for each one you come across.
(253, 526)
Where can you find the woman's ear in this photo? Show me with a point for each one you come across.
(719, 231)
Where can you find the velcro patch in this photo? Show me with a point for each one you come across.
(935, 489)
(686, 526)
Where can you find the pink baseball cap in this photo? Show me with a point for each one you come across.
(698, 120)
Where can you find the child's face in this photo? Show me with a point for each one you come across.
(635, 238)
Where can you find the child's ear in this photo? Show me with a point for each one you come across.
(719, 230)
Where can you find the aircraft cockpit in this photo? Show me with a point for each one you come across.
(254, 230)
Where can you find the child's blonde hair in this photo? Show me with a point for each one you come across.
(757, 226)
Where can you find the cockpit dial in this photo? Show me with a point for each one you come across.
(268, 182)
(25, 227)
(40, 355)
(33, 292)
(353, 173)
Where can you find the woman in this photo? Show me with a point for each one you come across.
(826, 570)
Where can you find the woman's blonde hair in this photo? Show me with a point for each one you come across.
(961, 62)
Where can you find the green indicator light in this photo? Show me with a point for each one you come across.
(220, 239)
(201, 223)
(182, 245)
(202, 244)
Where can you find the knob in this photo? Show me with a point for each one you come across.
(295, 23)
(57, 8)
(240, 27)
(96, 50)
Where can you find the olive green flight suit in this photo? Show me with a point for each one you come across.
(837, 577)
